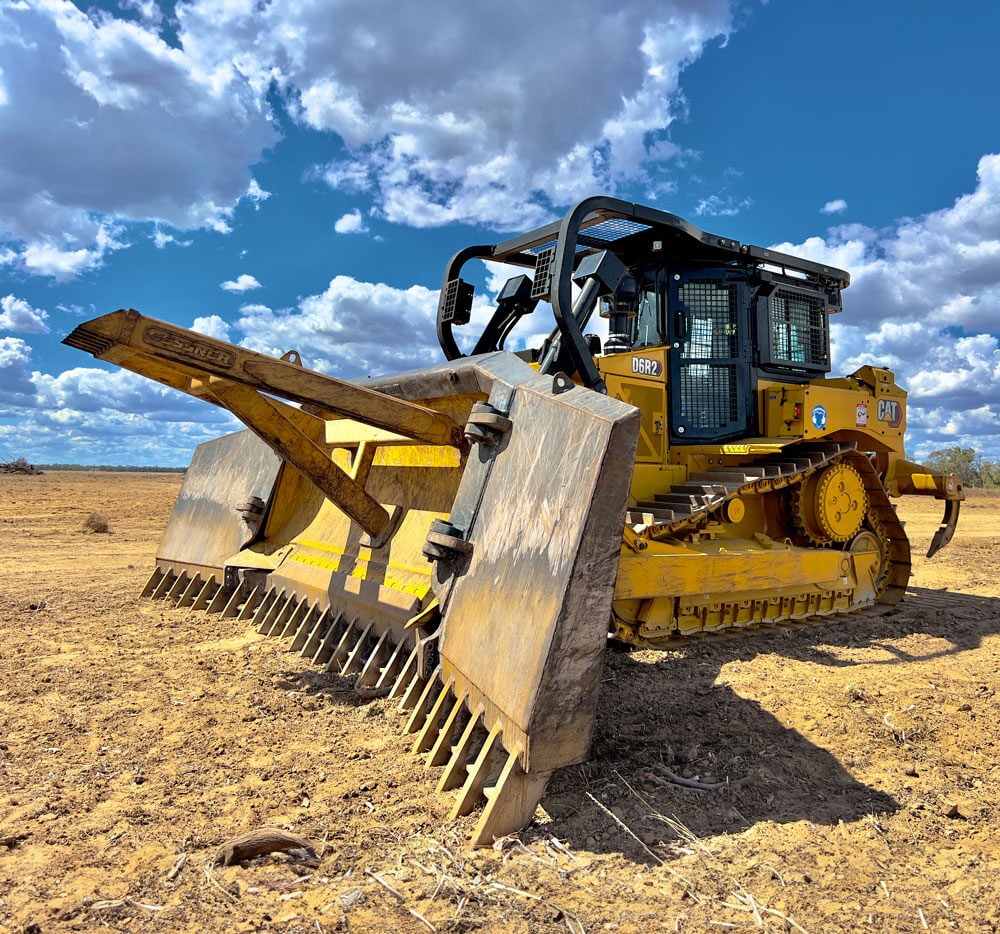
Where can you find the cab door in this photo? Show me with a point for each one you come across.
(710, 355)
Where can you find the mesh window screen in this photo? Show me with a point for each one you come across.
(798, 330)
(708, 395)
(712, 330)
(542, 283)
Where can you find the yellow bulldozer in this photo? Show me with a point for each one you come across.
(467, 537)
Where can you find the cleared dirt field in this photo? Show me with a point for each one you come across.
(136, 738)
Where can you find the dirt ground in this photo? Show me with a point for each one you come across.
(136, 738)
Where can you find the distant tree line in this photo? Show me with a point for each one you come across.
(968, 464)
(112, 467)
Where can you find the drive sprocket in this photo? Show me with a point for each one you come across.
(831, 504)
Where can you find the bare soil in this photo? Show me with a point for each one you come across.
(136, 739)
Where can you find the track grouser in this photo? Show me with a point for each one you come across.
(465, 538)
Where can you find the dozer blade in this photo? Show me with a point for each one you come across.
(494, 647)
(526, 614)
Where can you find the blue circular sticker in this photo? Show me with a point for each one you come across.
(819, 417)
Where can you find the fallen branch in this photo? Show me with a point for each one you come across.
(258, 842)
(673, 779)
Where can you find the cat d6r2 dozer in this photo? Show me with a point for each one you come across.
(466, 537)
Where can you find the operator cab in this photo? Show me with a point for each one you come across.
(728, 314)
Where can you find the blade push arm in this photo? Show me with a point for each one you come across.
(237, 379)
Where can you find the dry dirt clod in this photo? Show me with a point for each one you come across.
(12, 840)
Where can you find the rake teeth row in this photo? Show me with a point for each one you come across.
(469, 749)
(474, 758)
(461, 742)
(184, 590)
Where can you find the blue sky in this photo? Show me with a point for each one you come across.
(295, 175)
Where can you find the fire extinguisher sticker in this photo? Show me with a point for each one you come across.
(861, 419)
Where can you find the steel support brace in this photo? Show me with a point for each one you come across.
(278, 431)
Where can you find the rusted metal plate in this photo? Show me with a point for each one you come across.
(526, 616)
(206, 528)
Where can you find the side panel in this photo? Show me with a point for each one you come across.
(205, 528)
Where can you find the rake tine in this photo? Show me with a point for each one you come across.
(370, 671)
(237, 600)
(300, 610)
(321, 655)
(255, 599)
(419, 713)
(263, 608)
(390, 671)
(432, 725)
(441, 750)
(478, 775)
(343, 647)
(180, 583)
(304, 627)
(151, 583)
(191, 591)
(205, 595)
(403, 686)
(353, 661)
(164, 585)
(284, 609)
(456, 771)
(510, 803)
(315, 637)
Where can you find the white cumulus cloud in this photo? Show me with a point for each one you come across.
(351, 329)
(837, 206)
(492, 114)
(213, 326)
(503, 112)
(242, 283)
(104, 123)
(351, 222)
(17, 315)
(16, 387)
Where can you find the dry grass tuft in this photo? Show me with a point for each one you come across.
(96, 523)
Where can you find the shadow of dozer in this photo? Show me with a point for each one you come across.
(664, 716)
(959, 620)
